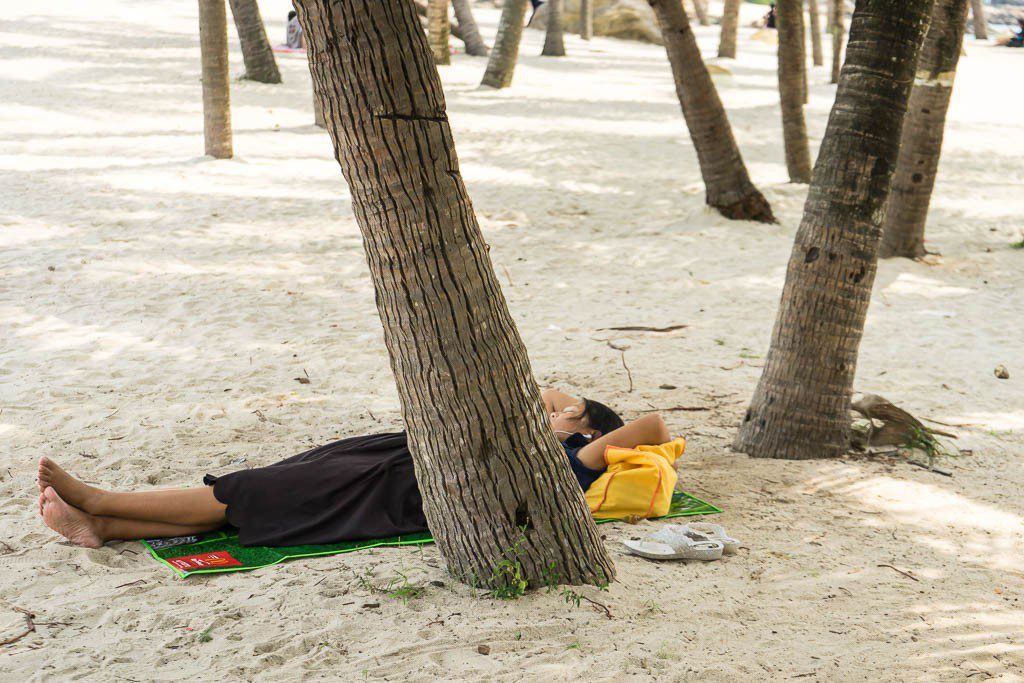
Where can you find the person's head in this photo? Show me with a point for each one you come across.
(586, 417)
(291, 15)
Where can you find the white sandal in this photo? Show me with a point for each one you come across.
(714, 532)
(676, 542)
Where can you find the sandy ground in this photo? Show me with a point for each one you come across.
(156, 307)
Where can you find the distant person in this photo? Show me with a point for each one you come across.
(536, 5)
(1018, 38)
(294, 39)
(769, 19)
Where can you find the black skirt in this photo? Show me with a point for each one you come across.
(349, 490)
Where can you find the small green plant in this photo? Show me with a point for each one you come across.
(507, 581)
(1017, 245)
(397, 587)
(204, 636)
(571, 597)
(575, 646)
(748, 353)
(720, 342)
(518, 635)
(918, 439)
(652, 607)
(551, 576)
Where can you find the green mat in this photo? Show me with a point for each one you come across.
(220, 551)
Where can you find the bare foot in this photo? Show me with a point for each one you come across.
(74, 525)
(75, 492)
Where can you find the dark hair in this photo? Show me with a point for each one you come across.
(291, 15)
(600, 417)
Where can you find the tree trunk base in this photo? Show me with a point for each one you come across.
(753, 207)
(911, 251)
(273, 77)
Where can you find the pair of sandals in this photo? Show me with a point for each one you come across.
(698, 541)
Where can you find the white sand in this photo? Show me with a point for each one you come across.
(156, 306)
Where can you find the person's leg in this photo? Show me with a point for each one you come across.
(187, 507)
(91, 531)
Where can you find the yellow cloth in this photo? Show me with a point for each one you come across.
(638, 482)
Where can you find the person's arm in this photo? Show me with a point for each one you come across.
(555, 401)
(647, 430)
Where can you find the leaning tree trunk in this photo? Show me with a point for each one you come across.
(907, 211)
(812, 15)
(700, 8)
(497, 491)
(980, 22)
(728, 185)
(586, 19)
(437, 27)
(502, 62)
(730, 21)
(801, 408)
(554, 46)
(213, 44)
(838, 34)
(475, 45)
(791, 90)
(256, 52)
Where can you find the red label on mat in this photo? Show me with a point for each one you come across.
(215, 560)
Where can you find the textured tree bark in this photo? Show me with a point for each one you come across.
(437, 28)
(496, 486)
(586, 19)
(260, 64)
(700, 8)
(792, 89)
(502, 62)
(801, 408)
(980, 22)
(318, 112)
(475, 45)
(812, 15)
(730, 22)
(921, 145)
(838, 35)
(213, 45)
(728, 186)
(554, 45)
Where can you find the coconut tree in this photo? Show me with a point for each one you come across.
(838, 28)
(260, 64)
(812, 15)
(554, 46)
(907, 210)
(497, 491)
(470, 34)
(437, 28)
(586, 19)
(801, 407)
(213, 46)
(730, 21)
(792, 89)
(727, 184)
(980, 22)
(502, 62)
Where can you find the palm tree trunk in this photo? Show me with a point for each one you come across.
(497, 491)
(586, 19)
(554, 45)
(213, 44)
(728, 186)
(730, 22)
(792, 89)
(256, 52)
(475, 45)
(502, 62)
(921, 146)
(801, 408)
(700, 8)
(838, 34)
(437, 27)
(812, 15)
(980, 22)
